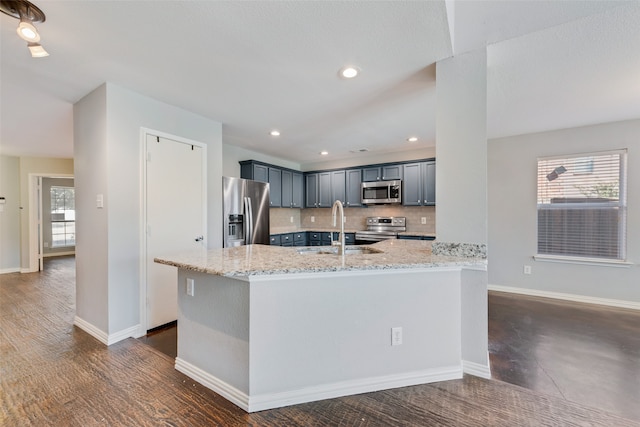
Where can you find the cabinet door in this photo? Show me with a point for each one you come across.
(338, 184)
(371, 174)
(391, 172)
(311, 191)
(324, 190)
(353, 188)
(287, 189)
(429, 183)
(260, 173)
(275, 187)
(412, 185)
(297, 190)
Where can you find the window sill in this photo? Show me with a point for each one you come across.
(583, 261)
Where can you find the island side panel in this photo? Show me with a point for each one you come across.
(475, 322)
(213, 328)
(329, 332)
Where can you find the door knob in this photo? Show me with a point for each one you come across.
(199, 238)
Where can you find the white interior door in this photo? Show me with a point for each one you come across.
(175, 219)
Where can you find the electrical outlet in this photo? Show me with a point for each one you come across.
(313, 219)
(396, 336)
(344, 219)
(423, 220)
(526, 269)
(190, 287)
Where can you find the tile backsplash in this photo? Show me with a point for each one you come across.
(284, 218)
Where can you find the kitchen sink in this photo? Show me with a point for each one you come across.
(333, 250)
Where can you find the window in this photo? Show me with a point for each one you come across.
(582, 206)
(63, 216)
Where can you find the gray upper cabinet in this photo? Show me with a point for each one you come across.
(311, 190)
(429, 177)
(254, 171)
(324, 190)
(287, 189)
(338, 184)
(297, 190)
(419, 185)
(275, 187)
(292, 189)
(353, 187)
(382, 173)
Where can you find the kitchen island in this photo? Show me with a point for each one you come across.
(267, 326)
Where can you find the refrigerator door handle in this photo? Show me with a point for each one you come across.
(249, 215)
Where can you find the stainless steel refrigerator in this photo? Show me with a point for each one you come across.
(246, 212)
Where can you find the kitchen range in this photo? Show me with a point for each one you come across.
(381, 228)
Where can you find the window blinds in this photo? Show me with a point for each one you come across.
(582, 205)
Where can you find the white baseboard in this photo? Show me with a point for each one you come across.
(54, 254)
(10, 270)
(94, 331)
(311, 394)
(28, 270)
(103, 337)
(131, 332)
(567, 297)
(476, 369)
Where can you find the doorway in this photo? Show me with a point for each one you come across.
(174, 216)
(40, 214)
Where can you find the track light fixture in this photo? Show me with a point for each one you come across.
(27, 13)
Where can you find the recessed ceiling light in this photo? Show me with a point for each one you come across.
(412, 139)
(348, 72)
(324, 153)
(274, 132)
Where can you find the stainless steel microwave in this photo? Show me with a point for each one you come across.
(381, 192)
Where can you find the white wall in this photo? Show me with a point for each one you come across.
(232, 155)
(513, 217)
(10, 214)
(370, 159)
(110, 164)
(92, 235)
(461, 149)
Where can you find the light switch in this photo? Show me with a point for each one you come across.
(99, 201)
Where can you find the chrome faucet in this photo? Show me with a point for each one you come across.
(341, 245)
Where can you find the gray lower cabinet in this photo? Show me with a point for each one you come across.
(315, 238)
(275, 240)
(286, 239)
(300, 239)
(419, 184)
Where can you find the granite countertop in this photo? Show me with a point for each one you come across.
(253, 260)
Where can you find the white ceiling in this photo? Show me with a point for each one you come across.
(255, 66)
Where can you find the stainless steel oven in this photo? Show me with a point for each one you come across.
(381, 228)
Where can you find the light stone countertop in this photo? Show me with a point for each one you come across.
(254, 260)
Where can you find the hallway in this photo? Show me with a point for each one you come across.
(55, 374)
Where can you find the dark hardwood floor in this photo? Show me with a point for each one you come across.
(584, 353)
(52, 373)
